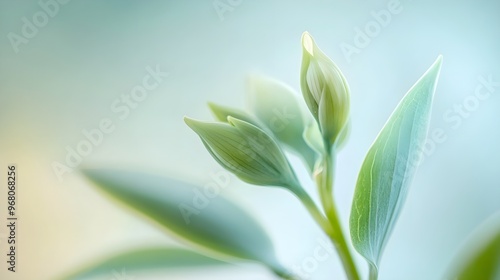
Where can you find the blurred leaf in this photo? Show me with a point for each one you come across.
(276, 105)
(247, 151)
(389, 167)
(146, 259)
(343, 136)
(313, 138)
(481, 257)
(200, 216)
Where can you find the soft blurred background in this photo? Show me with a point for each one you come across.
(87, 55)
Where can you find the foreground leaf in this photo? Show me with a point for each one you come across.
(146, 259)
(388, 169)
(480, 259)
(200, 216)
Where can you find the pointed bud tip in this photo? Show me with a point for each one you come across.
(213, 107)
(308, 43)
(238, 123)
(190, 122)
(232, 120)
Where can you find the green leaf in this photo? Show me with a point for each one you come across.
(146, 259)
(480, 259)
(247, 151)
(199, 216)
(275, 104)
(388, 168)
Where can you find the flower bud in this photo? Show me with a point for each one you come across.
(325, 90)
(246, 151)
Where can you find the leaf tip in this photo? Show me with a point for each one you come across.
(436, 66)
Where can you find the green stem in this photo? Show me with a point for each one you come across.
(333, 231)
(340, 244)
(325, 185)
(313, 209)
(373, 272)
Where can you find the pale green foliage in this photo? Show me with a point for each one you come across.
(220, 228)
(145, 259)
(388, 168)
